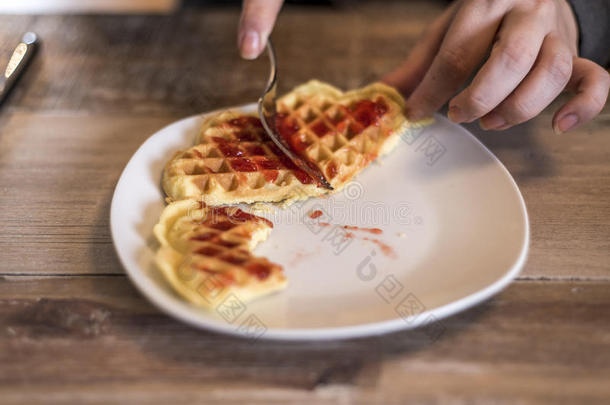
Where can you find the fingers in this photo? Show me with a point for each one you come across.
(406, 77)
(255, 25)
(543, 84)
(591, 83)
(518, 44)
(462, 49)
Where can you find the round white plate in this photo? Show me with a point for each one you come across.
(455, 232)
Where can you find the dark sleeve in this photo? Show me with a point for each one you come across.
(593, 17)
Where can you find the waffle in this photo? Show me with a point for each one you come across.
(341, 133)
(235, 162)
(206, 257)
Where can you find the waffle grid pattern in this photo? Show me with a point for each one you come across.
(333, 135)
(207, 251)
(234, 161)
(223, 239)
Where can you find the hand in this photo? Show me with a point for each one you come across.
(533, 58)
(255, 25)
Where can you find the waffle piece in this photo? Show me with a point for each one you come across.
(235, 162)
(340, 133)
(206, 257)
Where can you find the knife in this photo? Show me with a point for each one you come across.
(17, 63)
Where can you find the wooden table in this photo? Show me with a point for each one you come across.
(73, 328)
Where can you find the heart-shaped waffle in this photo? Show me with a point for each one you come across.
(206, 257)
(340, 132)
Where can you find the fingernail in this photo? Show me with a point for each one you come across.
(565, 124)
(492, 121)
(250, 44)
(455, 114)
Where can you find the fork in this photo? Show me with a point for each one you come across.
(267, 112)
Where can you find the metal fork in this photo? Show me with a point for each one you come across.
(267, 112)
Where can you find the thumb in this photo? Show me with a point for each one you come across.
(591, 83)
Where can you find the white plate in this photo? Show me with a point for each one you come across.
(449, 210)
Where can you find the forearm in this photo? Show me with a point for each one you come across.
(593, 17)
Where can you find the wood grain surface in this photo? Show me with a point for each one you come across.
(74, 330)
